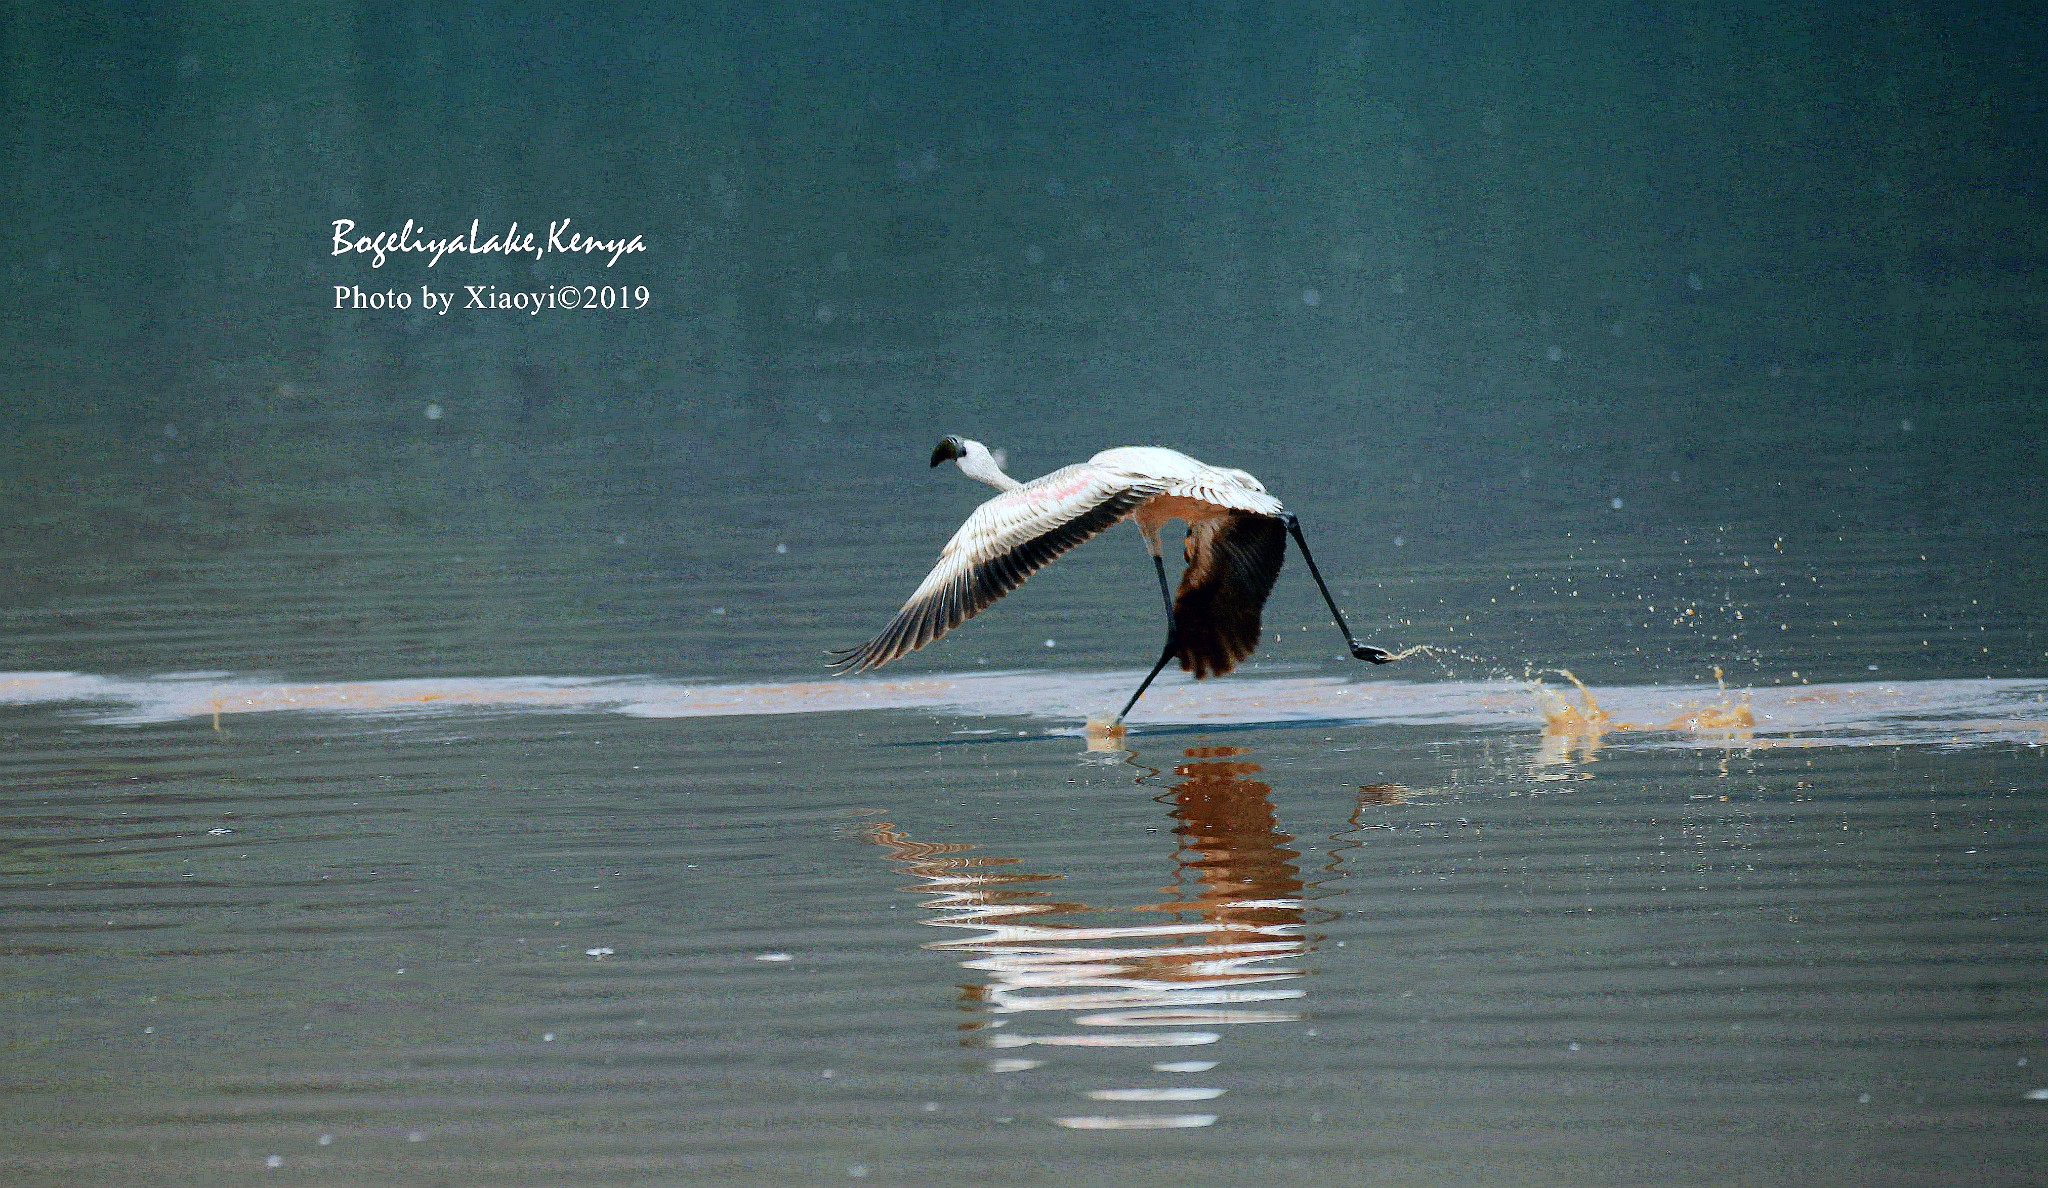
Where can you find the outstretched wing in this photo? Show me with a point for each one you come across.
(1006, 540)
(1233, 561)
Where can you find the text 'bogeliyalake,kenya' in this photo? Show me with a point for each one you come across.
(412, 239)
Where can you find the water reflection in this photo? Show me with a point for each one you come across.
(1214, 953)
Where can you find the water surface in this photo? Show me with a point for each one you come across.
(417, 763)
(523, 930)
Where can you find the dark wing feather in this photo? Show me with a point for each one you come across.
(1007, 540)
(1233, 562)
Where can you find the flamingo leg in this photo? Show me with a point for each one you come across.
(1165, 654)
(1361, 651)
(1159, 567)
(1172, 640)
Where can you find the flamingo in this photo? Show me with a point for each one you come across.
(1236, 541)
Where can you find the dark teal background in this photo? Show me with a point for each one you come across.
(1459, 274)
(1696, 349)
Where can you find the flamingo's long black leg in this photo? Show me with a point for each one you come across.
(1159, 567)
(1165, 654)
(1172, 638)
(1362, 651)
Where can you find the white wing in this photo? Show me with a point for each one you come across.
(1190, 478)
(1006, 540)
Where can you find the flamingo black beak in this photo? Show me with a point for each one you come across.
(948, 449)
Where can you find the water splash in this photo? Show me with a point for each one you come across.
(1574, 733)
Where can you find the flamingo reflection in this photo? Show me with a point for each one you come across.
(1214, 953)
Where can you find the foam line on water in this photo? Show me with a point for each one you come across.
(1877, 712)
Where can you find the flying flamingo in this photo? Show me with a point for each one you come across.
(1236, 541)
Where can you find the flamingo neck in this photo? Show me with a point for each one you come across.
(978, 463)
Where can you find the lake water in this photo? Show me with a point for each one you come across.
(417, 759)
(385, 851)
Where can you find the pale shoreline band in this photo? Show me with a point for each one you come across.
(1942, 712)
